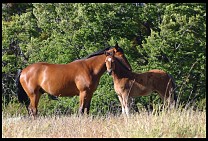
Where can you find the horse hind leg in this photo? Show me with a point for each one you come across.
(133, 105)
(34, 99)
(167, 98)
(172, 98)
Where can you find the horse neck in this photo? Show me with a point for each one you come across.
(97, 64)
(120, 71)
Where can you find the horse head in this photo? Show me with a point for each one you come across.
(109, 61)
(118, 52)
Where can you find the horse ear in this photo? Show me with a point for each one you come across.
(116, 46)
(112, 53)
(106, 53)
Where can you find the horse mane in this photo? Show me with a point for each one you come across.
(102, 52)
(121, 64)
(98, 52)
(123, 71)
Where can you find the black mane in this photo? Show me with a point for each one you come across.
(102, 52)
(98, 52)
(122, 64)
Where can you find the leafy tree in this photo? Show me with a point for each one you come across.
(153, 35)
(179, 48)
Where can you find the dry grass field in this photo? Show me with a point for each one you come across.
(166, 124)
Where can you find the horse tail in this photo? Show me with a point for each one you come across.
(173, 87)
(21, 94)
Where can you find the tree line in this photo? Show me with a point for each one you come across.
(168, 36)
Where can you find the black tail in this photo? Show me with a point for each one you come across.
(173, 88)
(22, 95)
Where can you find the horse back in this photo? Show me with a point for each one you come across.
(157, 76)
(57, 79)
(161, 80)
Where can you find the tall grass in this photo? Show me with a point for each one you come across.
(174, 123)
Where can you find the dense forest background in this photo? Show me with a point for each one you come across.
(165, 36)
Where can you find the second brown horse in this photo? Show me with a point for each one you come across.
(128, 84)
(80, 77)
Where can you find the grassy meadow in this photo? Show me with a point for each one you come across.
(175, 123)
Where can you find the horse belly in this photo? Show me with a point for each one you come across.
(140, 91)
(61, 89)
(67, 92)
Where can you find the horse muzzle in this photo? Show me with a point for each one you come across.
(109, 71)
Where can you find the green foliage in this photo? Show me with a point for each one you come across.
(178, 45)
(166, 36)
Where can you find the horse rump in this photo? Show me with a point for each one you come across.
(21, 94)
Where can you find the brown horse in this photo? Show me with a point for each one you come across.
(128, 84)
(78, 78)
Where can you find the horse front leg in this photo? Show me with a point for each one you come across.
(85, 100)
(122, 106)
(127, 110)
(126, 104)
(81, 105)
(87, 103)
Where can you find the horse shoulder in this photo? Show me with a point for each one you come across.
(83, 76)
(120, 85)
